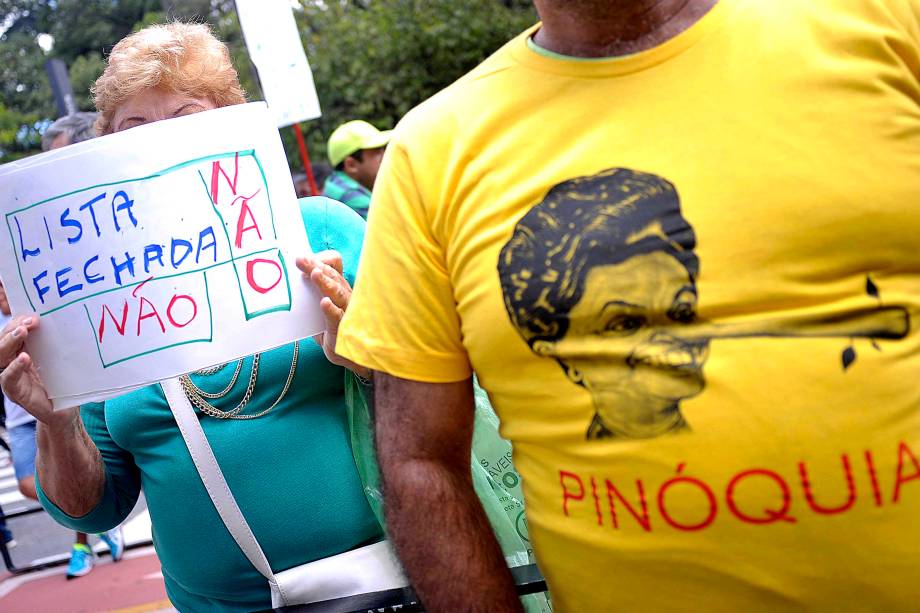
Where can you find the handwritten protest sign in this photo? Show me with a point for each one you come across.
(156, 251)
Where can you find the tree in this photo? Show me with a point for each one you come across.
(83, 73)
(371, 59)
(80, 27)
(20, 134)
(23, 84)
(377, 59)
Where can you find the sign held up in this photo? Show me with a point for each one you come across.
(274, 44)
(147, 260)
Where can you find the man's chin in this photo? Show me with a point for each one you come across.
(667, 386)
(663, 422)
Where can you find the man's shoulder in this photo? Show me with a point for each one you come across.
(837, 18)
(335, 184)
(491, 69)
(344, 189)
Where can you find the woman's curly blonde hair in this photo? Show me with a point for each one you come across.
(181, 57)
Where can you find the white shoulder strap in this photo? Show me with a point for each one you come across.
(213, 478)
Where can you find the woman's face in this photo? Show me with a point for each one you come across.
(156, 104)
(624, 341)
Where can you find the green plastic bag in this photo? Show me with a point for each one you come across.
(495, 479)
(361, 426)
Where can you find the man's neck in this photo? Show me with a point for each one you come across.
(609, 28)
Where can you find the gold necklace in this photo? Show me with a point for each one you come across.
(210, 370)
(196, 398)
(223, 392)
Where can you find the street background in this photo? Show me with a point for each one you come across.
(133, 585)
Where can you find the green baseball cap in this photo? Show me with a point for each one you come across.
(353, 136)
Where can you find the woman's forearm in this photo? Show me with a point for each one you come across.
(69, 466)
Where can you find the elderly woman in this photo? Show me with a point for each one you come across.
(285, 453)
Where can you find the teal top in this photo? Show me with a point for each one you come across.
(339, 186)
(291, 471)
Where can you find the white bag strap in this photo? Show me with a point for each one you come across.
(213, 478)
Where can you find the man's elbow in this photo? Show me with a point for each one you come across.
(411, 477)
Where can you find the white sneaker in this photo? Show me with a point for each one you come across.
(115, 539)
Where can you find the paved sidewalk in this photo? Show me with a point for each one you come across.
(133, 585)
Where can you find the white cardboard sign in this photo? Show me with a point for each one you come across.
(276, 50)
(156, 251)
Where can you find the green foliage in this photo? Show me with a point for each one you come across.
(372, 59)
(188, 10)
(227, 28)
(19, 134)
(83, 73)
(84, 26)
(375, 60)
(23, 84)
(150, 19)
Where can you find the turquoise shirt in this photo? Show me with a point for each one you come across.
(291, 471)
(339, 186)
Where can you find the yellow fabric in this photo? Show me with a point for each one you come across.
(739, 310)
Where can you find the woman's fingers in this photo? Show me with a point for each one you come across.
(331, 284)
(307, 264)
(324, 269)
(333, 315)
(22, 385)
(27, 321)
(13, 379)
(13, 336)
(319, 259)
(339, 290)
(330, 257)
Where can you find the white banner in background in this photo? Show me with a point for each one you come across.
(276, 50)
(156, 251)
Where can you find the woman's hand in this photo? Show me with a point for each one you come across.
(324, 270)
(13, 336)
(68, 465)
(20, 379)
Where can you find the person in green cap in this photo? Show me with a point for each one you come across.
(355, 150)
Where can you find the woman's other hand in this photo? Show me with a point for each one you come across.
(324, 270)
(20, 379)
(13, 337)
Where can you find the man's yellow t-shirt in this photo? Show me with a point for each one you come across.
(689, 280)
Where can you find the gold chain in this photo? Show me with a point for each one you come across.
(210, 370)
(198, 398)
(192, 392)
(223, 392)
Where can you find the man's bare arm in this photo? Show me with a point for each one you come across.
(424, 433)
